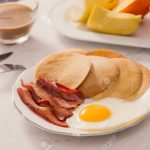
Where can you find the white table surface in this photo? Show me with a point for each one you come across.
(16, 133)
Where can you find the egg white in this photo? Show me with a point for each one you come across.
(122, 113)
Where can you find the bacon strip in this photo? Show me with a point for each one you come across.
(38, 95)
(37, 90)
(43, 99)
(45, 112)
(60, 112)
(67, 104)
(50, 100)
(60, 91)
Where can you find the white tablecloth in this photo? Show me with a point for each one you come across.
(16, 133)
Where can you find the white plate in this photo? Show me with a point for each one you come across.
(28, 76)
(59, 20)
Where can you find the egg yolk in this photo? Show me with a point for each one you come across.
(94, 113)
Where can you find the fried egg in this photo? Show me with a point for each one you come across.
(106, 114)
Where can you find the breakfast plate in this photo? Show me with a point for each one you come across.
(47, 104)
(28, 75)
(59, 19)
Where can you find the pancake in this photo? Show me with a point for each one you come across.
(69, 69)
(144, 86)
(128, 83)
(75, 50)
(102, 74)
(105, 53)
(97, 52)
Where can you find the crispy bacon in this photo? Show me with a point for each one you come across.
(50, 100)
(60, 91)
(33, 87)
(38, 95)
(60, 112)
(45, 112)
(43, 103)
(42, 98)
(67, 104)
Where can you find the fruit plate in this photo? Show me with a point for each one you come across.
(58, 17)
(28, 75)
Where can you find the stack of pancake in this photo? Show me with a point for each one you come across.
(96, 73)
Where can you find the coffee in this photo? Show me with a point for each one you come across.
(15, 20)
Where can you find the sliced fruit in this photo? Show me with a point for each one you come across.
(128, 83)
(102, 74)
(105, 21)
(81, 10)
(137, 7)
(68, 69)
(110, 4)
